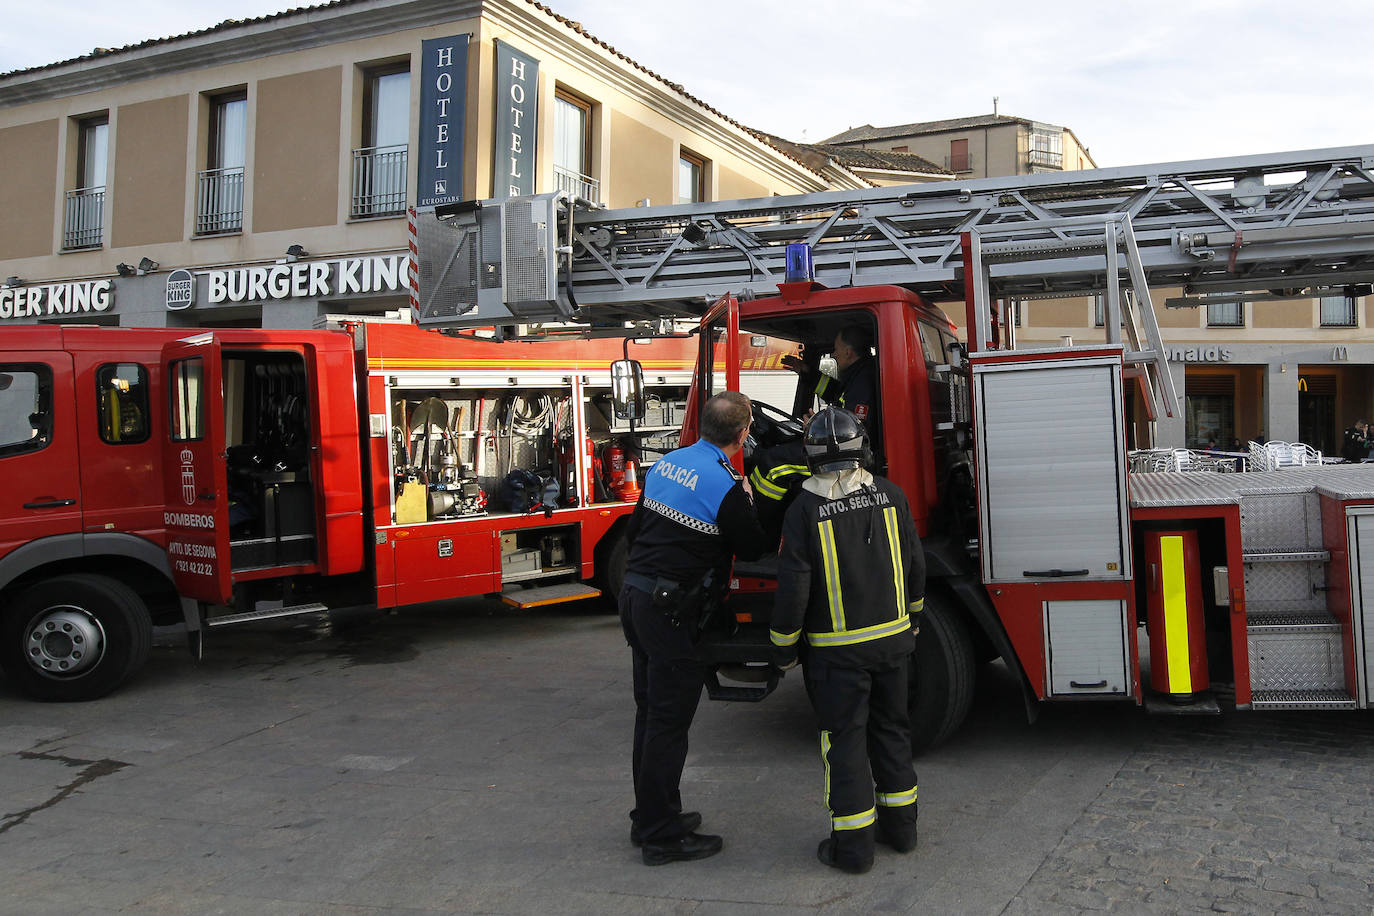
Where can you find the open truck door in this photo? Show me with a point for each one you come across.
(717, 366)
(196, 487)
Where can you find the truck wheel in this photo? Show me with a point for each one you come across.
(74, 637)
(611, 576)
(942, 676)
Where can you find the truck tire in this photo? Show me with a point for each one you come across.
(74, 637)
(942, 678)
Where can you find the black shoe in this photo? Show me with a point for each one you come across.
(905, 841)
(826, 853)
(683, 849)
(690, 821)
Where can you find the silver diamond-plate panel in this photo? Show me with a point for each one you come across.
(1284, 587)
(1347, 482)
(1295, 660)
(1280, 521)
(1165, 489)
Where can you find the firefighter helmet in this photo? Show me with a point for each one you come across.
(836, 441)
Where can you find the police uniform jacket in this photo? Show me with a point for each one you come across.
(692, 517)
(850, 576)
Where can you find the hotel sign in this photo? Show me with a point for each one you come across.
(517, 107)
(443, 94)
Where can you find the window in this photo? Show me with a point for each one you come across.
(691, 175)
(219, 199)
(122, 397)
(1047, 147)
(572, 147)
(1338, 311)
(380, 164)
(1210, 411)
(25, 408)
(85, 208)
(1226, 314)
(187, 410)
(959, 160)
(1100, 307)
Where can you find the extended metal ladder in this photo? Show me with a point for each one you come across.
(1285, 221)
(1144, 346)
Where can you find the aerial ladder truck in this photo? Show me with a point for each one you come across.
(1042, 547)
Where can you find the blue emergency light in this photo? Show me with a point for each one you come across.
(800, 267)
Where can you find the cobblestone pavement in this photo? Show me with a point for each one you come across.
(474, 759)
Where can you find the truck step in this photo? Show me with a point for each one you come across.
(266, 614)
(1301, 699)
(549, 594)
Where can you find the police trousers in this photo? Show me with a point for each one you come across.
(667, 688)
(865, 741)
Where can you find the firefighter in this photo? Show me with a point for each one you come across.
(856, 390)
(850, 577)
(693, 515)
(778, 470)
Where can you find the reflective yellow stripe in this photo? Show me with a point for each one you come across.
(825, 759)
(855, 821)
(897, 799)
(823, 385)
(916, 606)
(830, 560)
(1173, 584)
(764, 487)
(783, 470)
(894, 549)
(784, 639)
(850, 637)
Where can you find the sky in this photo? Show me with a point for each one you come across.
(1137, 82)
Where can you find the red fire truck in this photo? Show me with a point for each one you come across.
(218, 477)
(1043, 548)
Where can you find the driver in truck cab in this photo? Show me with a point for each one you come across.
(856, 389)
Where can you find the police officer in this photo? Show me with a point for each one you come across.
(850, 576)
(693, 515)
(856, 390)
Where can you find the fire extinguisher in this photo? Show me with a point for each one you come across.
(614, 458)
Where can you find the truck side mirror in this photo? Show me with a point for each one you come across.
(627, 389)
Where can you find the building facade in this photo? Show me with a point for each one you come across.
(981, 146)
(258, 173)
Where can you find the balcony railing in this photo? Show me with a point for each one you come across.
(219, 201)
(962, 163)
(85, 215)
(1050, 159)
(577, 184)
(379, 181)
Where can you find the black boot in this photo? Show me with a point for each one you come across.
(901, 837)
(690, 821)
(826, 853)
(683, 849)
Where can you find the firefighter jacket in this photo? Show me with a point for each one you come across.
(850, 573)
(692, 517)
(778, 470)
(856, 390)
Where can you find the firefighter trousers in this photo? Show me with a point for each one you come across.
(667, 687)
(865, 741)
